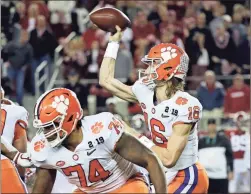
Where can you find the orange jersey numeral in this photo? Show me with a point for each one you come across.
(80, 172)
(194, 112)
(115, 125)
(96, 172)
(156, 123)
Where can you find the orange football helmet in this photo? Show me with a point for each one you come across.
(165, 60)
(58, 110)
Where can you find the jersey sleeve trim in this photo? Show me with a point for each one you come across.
(22, 123)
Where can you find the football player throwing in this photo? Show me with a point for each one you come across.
(172, 117)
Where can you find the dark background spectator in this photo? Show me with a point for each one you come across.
(199, 58)
(81, 90)
(18, 56)
(237, 97)
(210, 93)
(199, 28)
(143, 32)
(241, 57)
(60, 17)
(222, 52)
(40, 38)
(74, 57)
(168, 35)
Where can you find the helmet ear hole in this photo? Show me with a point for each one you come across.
(70, 119)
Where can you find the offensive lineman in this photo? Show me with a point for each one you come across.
(14, 120)
(93, 152)
(172, 119)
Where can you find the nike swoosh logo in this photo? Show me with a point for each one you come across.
(90, 153)
(164, 116)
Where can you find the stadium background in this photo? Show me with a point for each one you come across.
(215, 34)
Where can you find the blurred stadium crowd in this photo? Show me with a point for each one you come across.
(215, 34)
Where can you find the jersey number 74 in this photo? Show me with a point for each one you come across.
(96, 173)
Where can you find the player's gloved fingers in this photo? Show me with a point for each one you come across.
(23, 159)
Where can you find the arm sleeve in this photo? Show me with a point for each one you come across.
(229, 154)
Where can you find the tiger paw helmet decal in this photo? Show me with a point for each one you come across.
(168, 53)
(61, 104)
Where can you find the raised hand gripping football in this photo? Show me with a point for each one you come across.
(117, 36)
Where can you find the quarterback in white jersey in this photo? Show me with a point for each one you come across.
(93, 153)
(172, 117)
(13, 128)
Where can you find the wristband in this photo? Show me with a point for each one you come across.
(112, 50)
(146, 142)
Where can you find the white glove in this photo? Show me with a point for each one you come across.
(23, 159)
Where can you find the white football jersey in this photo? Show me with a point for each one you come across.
(11, 114)
(94, 166)
(181, 108)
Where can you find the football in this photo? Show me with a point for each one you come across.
(107, 18)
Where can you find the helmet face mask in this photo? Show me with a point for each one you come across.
(150, 74)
